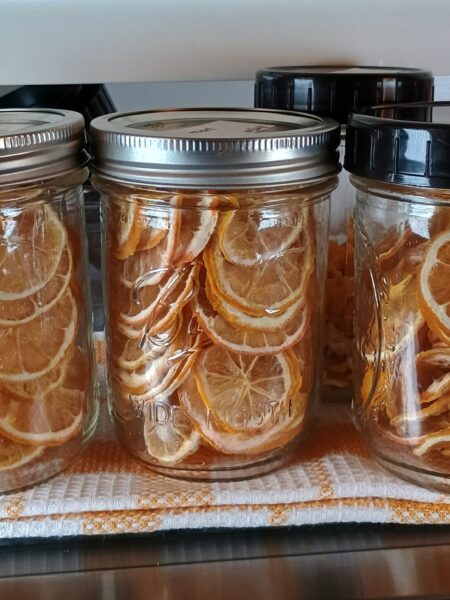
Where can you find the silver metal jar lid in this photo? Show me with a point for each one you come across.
(39, 144)
(214, 147)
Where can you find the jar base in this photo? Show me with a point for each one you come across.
(421, 477)
(230, 473)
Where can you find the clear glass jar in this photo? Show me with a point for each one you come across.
(214, 314)
(48, 403)
(402, 283)
(337, 91)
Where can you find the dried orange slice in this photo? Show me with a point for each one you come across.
(286, 426)
(250, 236)
(438, 388)
(248, 341)
(434, 286)
(31, 245)
(124, 227)
(163, 373)
(169, 439)
(48, 420)
(239, 318)
(268, 287)
(244, 392)
(18, 312)
(438, 407)
(27, 390)
(155, 305)
(197, 226)
(31, 350)
(153, 224)
(150, 266)
(432, 441)
(14, 455)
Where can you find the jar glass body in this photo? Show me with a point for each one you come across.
(402, 360)
(48, 399)
(214, 308)
(339, 296)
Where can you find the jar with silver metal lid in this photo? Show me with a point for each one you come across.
(48, 404)
(215, 228)
(335, 91)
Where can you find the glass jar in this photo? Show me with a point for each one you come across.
(214, 264)
(336, 92)
(48, 404)
(402, 231)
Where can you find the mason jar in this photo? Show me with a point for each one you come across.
(214, 251)
(401, 171)
(48, 404)
(336, 92)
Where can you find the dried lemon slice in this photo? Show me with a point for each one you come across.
(169, 440)
(434, 286)
(32, 241)
(245, 393)
(14, 455)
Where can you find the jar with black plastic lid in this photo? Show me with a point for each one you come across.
(336, 91)
(400, 168)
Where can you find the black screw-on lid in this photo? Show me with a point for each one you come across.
(337, 91)
(401, 149)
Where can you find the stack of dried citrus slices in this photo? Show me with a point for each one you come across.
(339, 305)
(43, 371)
(210, 308)
(408, 392)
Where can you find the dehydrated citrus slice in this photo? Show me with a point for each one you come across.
(14, 455)
(31, 350)
(162, 374)
(150, 266)
(32, 241)
(248, 341)
(286, 426)
(153, 224)
(27, 390)
(169, 439)
(434, 286)
(268, 287)
(49, 420)
(197, 225)
(438, 388)
(18, 312)
(154, 306)
(244, 392)
(431, 441)
(250, 236)
(435, 408)
(239, 318)
(124, 227)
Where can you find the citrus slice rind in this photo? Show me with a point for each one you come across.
(244, 392)
(433, 286)
(149, 266)
(14, 455)
(249, 237)
(169, 441)
(431, 441)
(31, 244)
(197, 224)
(18, 312)
(287, 427)
(240, 319)
(25, 356)
(46, 421)
(124, 228)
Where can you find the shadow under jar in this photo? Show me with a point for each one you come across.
(48, 402)
(215, 225)
(402, 227)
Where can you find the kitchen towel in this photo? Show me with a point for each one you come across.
(331, 479)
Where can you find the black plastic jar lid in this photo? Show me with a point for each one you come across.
(396, 147)
(337, 91)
